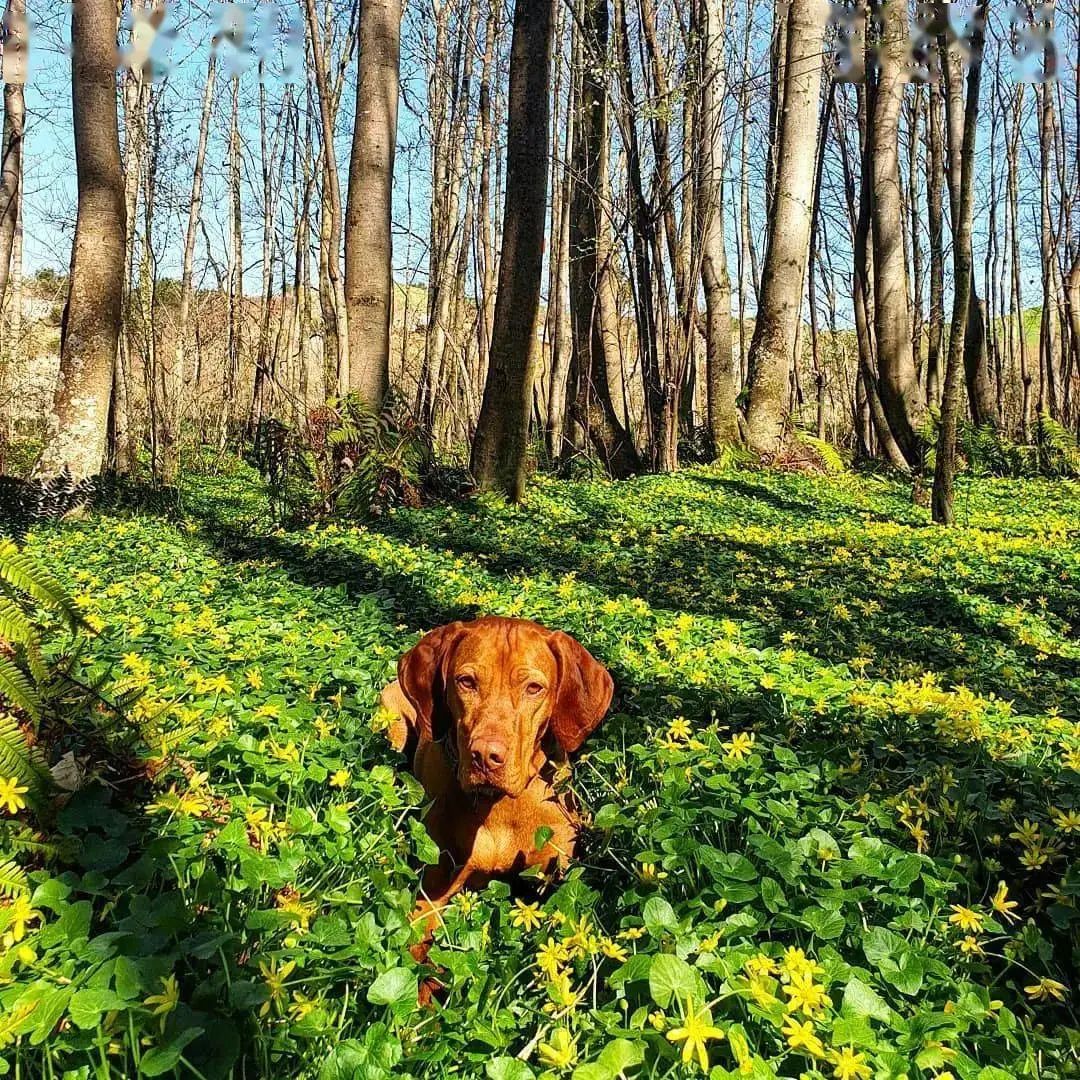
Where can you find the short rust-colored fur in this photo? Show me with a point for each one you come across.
(486, 711)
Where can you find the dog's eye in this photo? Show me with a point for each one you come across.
(534, 689)
(466, 682)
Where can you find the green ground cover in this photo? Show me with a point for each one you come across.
(837, 731)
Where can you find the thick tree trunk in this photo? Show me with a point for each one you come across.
(369, 285)
(721, 382)
(591, 307)
(772, 351)
(945, 464)
(76, 442)
(898, 379)
(502, 431)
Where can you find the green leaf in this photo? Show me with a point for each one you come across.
(507, 1068)
(862, 1000)
(393, 986)
(620, 1055)
(541, 837)
(427, 851)
(89, 1005)
(670, 977)
(827, 925)
(659, 916)
(163, 1059)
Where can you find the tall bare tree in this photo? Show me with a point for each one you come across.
(592, 309)
(721, 378)
(11, 168)
(75, 447)
(897, 378)
(502, 430)
(369, 284)
(951, 401)
(773, 348)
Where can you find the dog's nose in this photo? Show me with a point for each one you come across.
(490, 756)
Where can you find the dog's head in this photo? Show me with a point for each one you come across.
(495, 688)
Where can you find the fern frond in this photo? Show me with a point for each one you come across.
(20, 760)
(24, 575)
(18, 839)
(13, 879)
(15, 627)
(16, 690)
(830, 456)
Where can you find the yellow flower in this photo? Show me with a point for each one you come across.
(1001, 903)
(970, 946)
(560, 1052)
(801, 1036)
(760, 965)
(562, 992)
(302, 1006)
(551, 956)
(969, 921)
(254, 678)
(806, 995)
(796, 964)
(1068, 821)
(1027, 832)
(164, 1003)
(527, 916)
(679, 729)
(658, 1020)
(613, 950)
(20, 916)
(275, 977)
(340, 778)
(650, 875)
(694, 1033)
(1046, 990)
(289, 903)
(761, 990)
(11, 795)
(739, 746)
(850, 1066)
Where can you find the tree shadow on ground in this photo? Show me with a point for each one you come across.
(810, 591)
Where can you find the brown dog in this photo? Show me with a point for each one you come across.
(487, 711)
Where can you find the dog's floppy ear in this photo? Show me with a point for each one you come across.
(421, 673)
(583, 696)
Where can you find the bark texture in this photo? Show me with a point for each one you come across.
(91, 325)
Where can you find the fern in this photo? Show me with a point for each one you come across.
(830, 457)
(13, 879)
(20, 574)
(18, 759)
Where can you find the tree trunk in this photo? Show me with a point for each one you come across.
(935, 190)
(945, 465)
(772, 350)
(75, 446)
(369, 282)
(721, 382)
(11, 172)
(332, 196)
(897, 378)
(499, 449)
(591, 307)
(170, 451)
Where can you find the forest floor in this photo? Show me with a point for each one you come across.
(837, 728)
